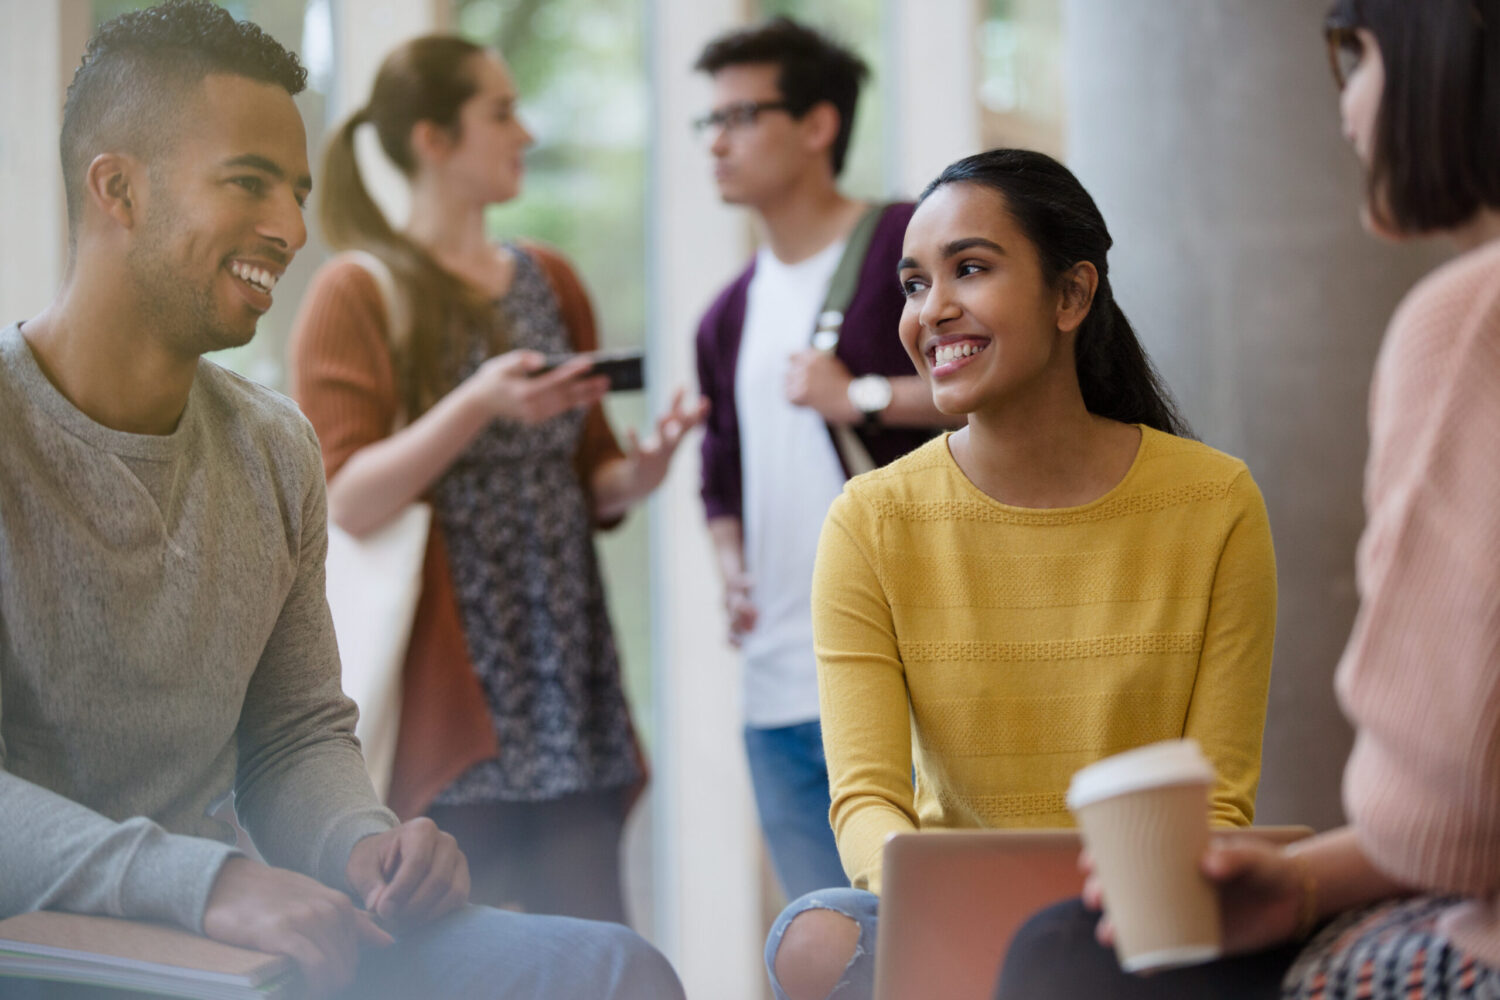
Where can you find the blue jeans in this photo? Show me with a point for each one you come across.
(484, 954)
(858, 980)
(480, 954)
(790, 778)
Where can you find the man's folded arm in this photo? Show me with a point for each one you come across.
(302, 791)
(58, 855)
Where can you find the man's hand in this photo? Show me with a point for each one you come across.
(819, 381)
(740, 606)
(411, 875)
(283, 913)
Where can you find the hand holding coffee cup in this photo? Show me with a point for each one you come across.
(1144, 818)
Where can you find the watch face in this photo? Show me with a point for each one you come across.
(870, 393)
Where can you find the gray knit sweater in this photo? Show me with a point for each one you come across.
(165, 640)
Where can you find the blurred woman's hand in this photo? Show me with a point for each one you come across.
(505, 386)
(1262, 891)
(650, 459)
(620, 484)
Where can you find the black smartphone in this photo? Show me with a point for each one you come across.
(626, 370)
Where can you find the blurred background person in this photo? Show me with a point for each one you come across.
(515, 734)
(783, 112)
(1406, 894)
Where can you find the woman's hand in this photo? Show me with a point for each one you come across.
(1262, 890)
(622, 483)
(504, 386)
(652, 458)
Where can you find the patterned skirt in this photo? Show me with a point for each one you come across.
(1390, 951)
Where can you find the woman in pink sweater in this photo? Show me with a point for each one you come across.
(1405, 901)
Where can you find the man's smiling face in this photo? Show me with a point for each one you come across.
(221, 216)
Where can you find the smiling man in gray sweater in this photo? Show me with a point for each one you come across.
(165, 641)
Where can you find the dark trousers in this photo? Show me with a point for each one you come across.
(558, 856)
(1054, 957)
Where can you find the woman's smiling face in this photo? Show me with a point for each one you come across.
(981, 323)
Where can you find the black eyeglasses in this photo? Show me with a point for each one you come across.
(1345, 49)
(741, 114)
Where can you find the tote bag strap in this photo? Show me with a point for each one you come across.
(397, 311)
(374, 583)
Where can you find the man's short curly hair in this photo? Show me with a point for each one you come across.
(135, 70)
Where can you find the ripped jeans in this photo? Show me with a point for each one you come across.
(858, 980)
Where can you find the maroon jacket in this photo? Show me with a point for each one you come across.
(868, 345)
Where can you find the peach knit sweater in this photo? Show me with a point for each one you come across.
(1421, 676)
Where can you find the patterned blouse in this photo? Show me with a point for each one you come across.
(519, 530)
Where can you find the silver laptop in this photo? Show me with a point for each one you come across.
(951, 900)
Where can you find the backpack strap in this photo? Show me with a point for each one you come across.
(845, 281)
(855, 456)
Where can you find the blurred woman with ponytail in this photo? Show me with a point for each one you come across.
(1066, 577)
(419, 362)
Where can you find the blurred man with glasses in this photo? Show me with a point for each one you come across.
(801, 398)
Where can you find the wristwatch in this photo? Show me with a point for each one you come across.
(870, 394)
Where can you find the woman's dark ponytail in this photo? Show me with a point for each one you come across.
(1058, 216)
(1117, 378)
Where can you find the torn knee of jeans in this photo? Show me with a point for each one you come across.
(780, 928)
(779, 932)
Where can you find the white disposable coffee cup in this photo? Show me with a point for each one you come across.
(1144, 817)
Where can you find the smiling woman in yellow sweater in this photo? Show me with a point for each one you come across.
(1064, 578)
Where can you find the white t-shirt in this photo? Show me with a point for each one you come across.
(791, 476)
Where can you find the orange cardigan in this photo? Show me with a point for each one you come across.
(343, 378)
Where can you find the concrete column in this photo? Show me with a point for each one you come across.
(40, 45)
(707, 889)
(932, 113)
(1208, 132)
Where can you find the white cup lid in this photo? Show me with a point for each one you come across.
(1172, 762)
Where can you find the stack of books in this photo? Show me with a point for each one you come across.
(130, 955)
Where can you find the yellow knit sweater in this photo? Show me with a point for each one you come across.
(1001, 648)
